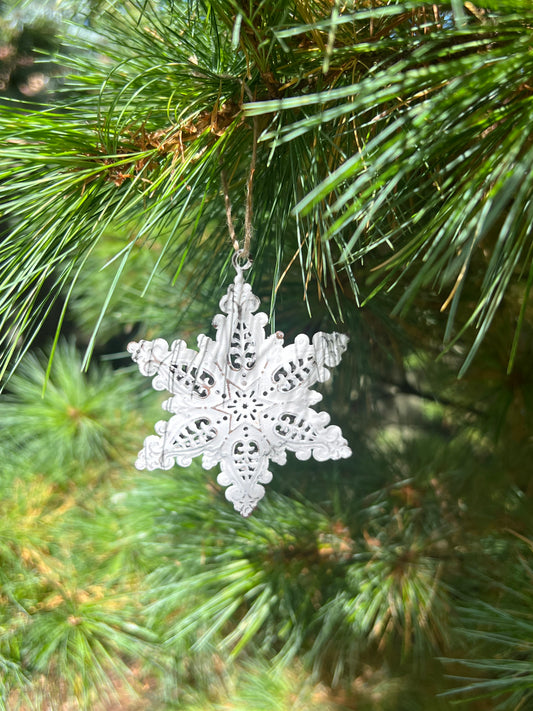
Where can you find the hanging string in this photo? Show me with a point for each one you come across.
(248, 228)
(227, 204)
(244, 252)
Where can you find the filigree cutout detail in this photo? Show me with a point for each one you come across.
(241, 400)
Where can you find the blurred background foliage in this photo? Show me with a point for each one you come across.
(394, 169)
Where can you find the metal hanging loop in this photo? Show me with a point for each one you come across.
(241, 261)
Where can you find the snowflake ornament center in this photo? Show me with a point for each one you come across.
(244, 406)
(241, 400)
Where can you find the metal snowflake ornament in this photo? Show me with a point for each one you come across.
(241, 400)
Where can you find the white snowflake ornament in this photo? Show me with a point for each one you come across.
(241, 400)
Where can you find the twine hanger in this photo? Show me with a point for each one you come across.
(242, 253)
